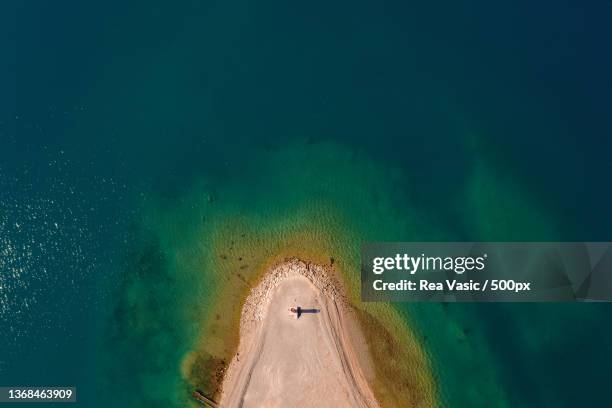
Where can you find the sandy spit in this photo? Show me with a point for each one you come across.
(318, 360)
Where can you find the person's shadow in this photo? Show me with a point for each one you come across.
(300, 311)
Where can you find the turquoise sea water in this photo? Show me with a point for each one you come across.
(463, 122)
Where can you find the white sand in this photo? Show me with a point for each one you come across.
(307, 362)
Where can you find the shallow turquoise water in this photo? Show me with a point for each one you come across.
(474, 122)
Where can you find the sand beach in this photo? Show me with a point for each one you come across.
(317, 360)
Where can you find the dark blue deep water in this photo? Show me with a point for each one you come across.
(106, 104)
